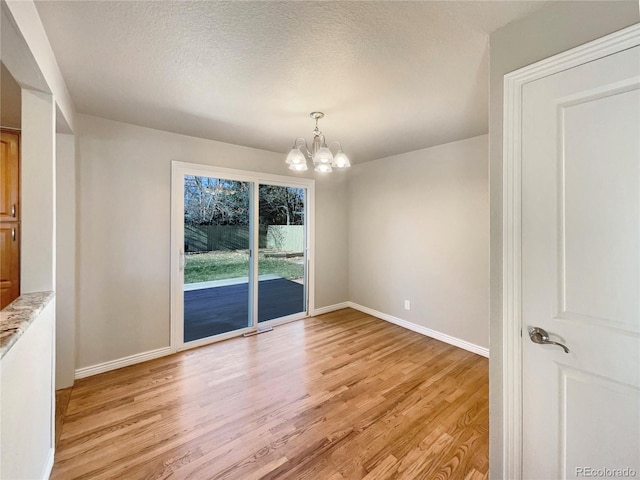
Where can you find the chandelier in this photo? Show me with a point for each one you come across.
(323, 159)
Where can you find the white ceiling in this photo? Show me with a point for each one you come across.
(391, 77)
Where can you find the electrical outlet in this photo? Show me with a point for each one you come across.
(407, 305)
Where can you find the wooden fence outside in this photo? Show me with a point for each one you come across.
(286, 238)
(208, 238)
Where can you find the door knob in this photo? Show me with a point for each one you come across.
(538, 335)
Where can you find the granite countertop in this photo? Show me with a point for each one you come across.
(16, 317)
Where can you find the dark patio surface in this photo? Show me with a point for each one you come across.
(216, 310)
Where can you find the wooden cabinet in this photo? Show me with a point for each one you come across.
(10, 176)
(9, 216)
(9, 262)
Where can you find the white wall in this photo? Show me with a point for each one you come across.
(10, 100)
(65, 259)
(38, 190)
(124, 232)
(27, 376)
(550, 31)
(27, 400)
(419, 230)
(44, 66)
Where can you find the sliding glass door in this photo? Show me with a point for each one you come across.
(242, 253)
(217, 233)
(282, 256)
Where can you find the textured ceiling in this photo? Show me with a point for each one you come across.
(391, 77)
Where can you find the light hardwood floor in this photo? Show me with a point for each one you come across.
(339, 396)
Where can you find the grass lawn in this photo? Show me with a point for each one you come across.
(205, 267)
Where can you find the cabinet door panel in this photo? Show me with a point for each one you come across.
(9, 176)
(9, 263)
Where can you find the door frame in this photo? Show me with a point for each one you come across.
(178, 170)
(512, 394)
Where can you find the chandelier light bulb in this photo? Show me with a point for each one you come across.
(296, 157)
(341, 160)
(323, 156)
(298, 167)
(323, 168)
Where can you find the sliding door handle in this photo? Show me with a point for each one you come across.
(183, 260)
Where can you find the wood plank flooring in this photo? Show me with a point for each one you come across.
(339, 396)
(62, 402)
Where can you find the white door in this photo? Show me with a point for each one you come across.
(581, 270)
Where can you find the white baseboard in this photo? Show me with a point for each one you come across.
(443, 337)
(330, 308)
(161, 352)
(46, 473)
(122, 362)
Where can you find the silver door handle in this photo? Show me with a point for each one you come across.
(182, 260)
(13, 210)
(538, 335)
